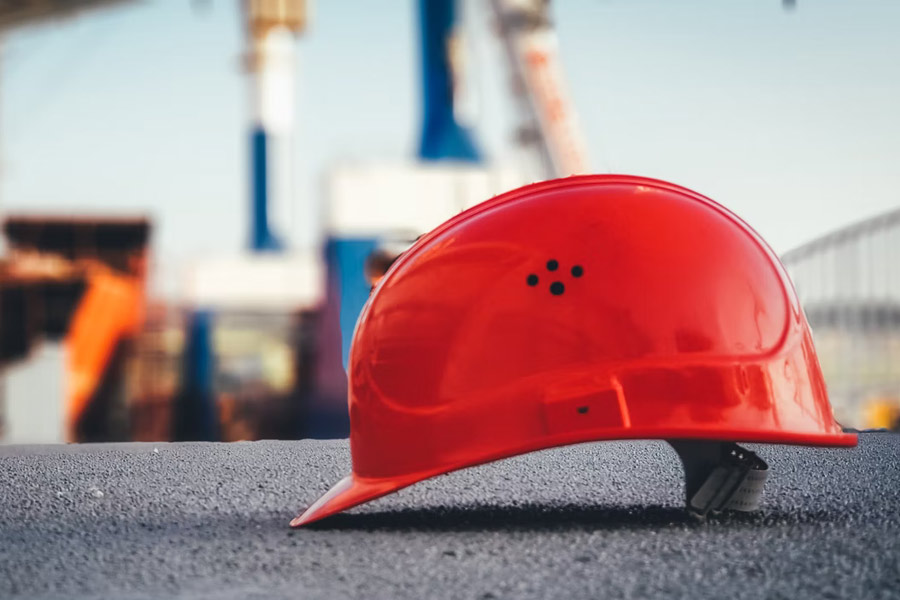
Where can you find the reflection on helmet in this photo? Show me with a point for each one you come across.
(587, 308)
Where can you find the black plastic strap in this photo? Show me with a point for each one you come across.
(721, 476)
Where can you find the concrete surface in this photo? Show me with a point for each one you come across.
(592, 521)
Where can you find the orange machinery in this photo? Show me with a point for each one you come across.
(82, 280)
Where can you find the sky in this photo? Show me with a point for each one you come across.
(788, 117)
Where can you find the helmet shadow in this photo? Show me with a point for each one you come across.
(559, 517)
(521, 517)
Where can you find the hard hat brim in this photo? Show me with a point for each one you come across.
(347, 493)
(354, 490)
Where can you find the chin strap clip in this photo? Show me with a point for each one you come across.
(721, 476)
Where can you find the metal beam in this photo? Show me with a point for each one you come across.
(23, 13)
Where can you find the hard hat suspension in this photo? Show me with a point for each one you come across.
(720, 476)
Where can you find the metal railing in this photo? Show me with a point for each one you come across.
(849, 284)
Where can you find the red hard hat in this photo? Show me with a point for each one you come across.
(588, 308)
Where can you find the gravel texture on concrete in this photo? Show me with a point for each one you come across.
(602, 520)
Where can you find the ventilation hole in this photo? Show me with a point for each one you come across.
(557, 288)
(532, 279)
(552, 265)
(583, 410)
(577, 271)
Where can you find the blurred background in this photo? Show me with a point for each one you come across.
(196, 197)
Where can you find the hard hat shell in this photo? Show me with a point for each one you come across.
(587, 308)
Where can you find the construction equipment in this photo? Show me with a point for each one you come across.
(81, 282)
(549, 121)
